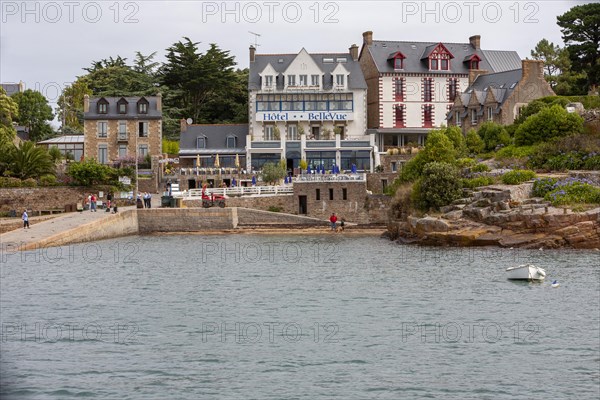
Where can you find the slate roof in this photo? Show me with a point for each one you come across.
(280, 62)
(132, 111)
(11, 88)
(491, 60)
(216, 139)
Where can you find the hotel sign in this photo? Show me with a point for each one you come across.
(304, 116)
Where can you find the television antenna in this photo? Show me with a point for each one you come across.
(256, 36)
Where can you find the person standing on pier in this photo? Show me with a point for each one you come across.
(25, 220)
(333, 220)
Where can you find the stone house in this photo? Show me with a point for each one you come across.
(120, 128)
(498, 97)
(412, 85)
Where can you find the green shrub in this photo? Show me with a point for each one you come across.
(455, 135)
(474, 143)
(7, 182)
(563, 162)
(465, 162)
(517, 176)
(493, 135)
(543, 186)
(48, 180)
(480, 168)
(513, 151)
(573, 191)
(591, 163)
(439, 186)
(472, 183)
(550, 122)
(29, 182)
(274, 209)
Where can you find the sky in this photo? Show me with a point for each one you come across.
(45, 44)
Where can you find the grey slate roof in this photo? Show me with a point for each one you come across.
(216, 139)
(132, 111)
(498, 60)
(280, 62)
(11, 88)
(502, 81)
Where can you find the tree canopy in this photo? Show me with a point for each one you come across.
(35, 113)
(580, 27)
(9, 111)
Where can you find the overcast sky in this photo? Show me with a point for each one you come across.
(46, 44)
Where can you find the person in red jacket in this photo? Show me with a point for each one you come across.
(333, 220)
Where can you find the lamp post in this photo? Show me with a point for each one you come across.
(135, 193)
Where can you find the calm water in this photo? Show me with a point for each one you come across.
(271, 317)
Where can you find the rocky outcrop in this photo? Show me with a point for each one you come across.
(494, 216)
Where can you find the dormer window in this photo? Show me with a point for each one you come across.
(268, 80)
(473, 61)
(397, 60)
(339, 80)
(439, 57)
(201, 142)
(433, 64)
(102, 106)
(444, 65)
(122, 106)
(142, 106)
(474, 64)
(231, 142)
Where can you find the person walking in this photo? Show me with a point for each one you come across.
(25, 220)
(149, 200)
(93, 203)
(333, 220)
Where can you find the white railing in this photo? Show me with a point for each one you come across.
(238, 191)
(359, 177)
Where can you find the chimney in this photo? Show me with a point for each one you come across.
(252, 53)
(475, 41)
(368, 38)
(86, 103)
(182, 125)
(159, 101)
(354, 52)
(474, 73)
(532, 69)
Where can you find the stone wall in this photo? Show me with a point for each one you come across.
(45, 198)
(284, 203)
(377, 181)
(114, 225)
(186, 219)
(248, 217)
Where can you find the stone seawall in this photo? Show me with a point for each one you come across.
(114, 225)
(249, 217)
(186, 219)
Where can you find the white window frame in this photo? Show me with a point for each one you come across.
(473, 116)
(292, 132)
(490, 113)
(268, 80)
(303, 80)
(269, 132)
(102, 129)
(142, 150)
(101, 159)
(201, 139)
(314, 80)
(120, 149)
(291, 80)
(339, 80)
(458, 119)
(227, 144)
(146, 128)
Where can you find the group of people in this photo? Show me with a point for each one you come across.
(147, 199)
(334, 227)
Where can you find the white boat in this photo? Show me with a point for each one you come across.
(527, 272)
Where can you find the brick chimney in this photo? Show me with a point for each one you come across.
(252, 53)
(475, 41)
(532, 68)
(159, 101)
(474, 73)
(354, 52)
(368, 38)
(86, 103)
(183, 125)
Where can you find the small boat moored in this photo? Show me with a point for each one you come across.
(527, 272)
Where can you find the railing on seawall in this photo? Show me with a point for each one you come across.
(238, 191)
(358, 177)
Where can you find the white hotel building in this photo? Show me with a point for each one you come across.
(308, 106)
